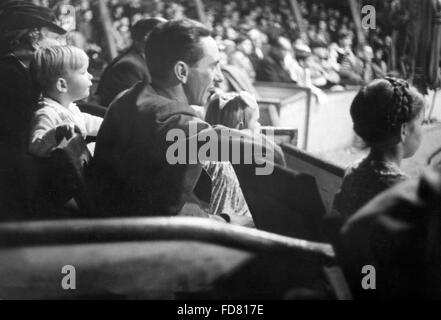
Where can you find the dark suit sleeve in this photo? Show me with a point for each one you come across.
(267, 73)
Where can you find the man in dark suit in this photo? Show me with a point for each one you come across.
(135, 169)
(128, 68)
(133, 174)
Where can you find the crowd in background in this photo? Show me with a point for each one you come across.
(259, 37)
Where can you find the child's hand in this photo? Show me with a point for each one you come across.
(66, 130)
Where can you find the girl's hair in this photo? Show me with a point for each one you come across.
(50, 63)
(232, 110)
(380, 108)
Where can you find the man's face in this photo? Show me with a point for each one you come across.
(247, 47)
(204, 74)
(368, 54)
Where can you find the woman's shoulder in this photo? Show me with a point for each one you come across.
(375, 175)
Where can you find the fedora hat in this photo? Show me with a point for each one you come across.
(16, 15)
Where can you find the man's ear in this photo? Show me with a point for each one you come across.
(61, 85)
(181, 71)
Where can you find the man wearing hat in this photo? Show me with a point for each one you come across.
(130, 67)
(21, 25)
(272, 68)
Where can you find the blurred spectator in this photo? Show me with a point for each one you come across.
(129, 68)
(351, 71)
(323, 22)
(371, 70)
(258, 38)
(240, 58)
(273, 68)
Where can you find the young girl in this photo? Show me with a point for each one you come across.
(238, 112)
(61, 72)
(387, 115)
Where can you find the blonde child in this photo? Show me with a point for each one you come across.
(61, 72)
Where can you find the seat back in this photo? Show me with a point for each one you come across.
(327, 175)
(158, 258)
(284, 202)
(281, 135)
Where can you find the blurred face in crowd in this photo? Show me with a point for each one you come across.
(256, 38)
(246, 47)
(332, 24)
(231, 33)
(367, 53)
(379, 54)
(322, 25)
(203, 76)
(280, 51)
(346, 42)
(321, 52)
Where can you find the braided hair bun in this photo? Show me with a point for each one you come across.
(380, 108)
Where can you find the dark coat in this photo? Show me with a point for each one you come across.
(398, 233)
(122, 73)
(272, 71)
(18, 97)
(130, 170)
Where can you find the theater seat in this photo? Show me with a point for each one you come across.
(161, 258)
(284, 202)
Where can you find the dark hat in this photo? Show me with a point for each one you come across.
(17, 15)
(143, 27)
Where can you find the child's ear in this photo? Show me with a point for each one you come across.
(61, 85)
(181, 71)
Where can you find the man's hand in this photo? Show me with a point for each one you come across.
(66, 130)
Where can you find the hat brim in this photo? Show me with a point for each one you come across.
(18, 21)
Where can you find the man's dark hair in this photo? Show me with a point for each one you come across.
(143, 27)
(173, 41)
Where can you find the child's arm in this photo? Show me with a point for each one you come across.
(93, 124)
(46, 134)
(43, 138)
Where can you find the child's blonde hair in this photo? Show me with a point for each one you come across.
(51, 63)
(232, 110)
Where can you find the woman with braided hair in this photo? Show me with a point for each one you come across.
(387, 114)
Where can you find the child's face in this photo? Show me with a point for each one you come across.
(253, 123)
(79, 83)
